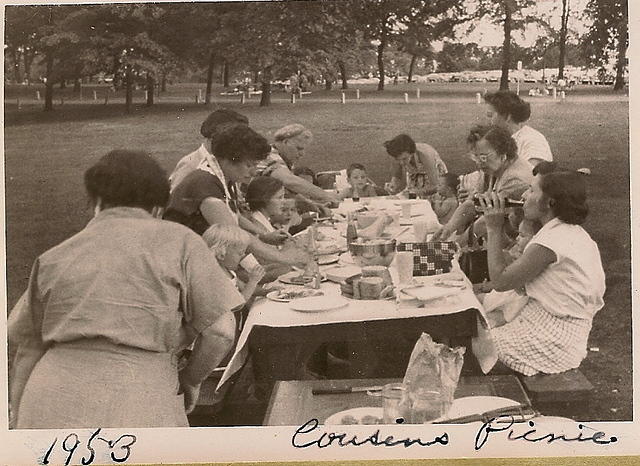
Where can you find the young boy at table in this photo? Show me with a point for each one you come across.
(445, 201)
(359, 183)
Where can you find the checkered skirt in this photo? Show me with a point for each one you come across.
(538, 341)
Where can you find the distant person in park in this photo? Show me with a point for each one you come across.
(96, 334)
(211, 127)
(289, 145)
(208, 195)
(560, 270)
(417, 167)
(506, 174)
(509, 111)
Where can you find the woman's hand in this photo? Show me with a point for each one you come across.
(392, 186)
(443, 233)
(275, 237)
(494, 211)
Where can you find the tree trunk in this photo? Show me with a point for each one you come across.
(28, 59)
(151, 84)
(225, 74)
(16, 65)
(129, 89)
(265, 100)
(343, 74)
(210, 66)
(48, 88)
(163, 83)
(563, 37)
(381, 46)
(411, 66)
(328, 84)
(506, 48)
(63, 83)
(623, 37)
(77, 85)
(256, 77)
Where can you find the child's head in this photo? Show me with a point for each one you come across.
(265, 194)
(357, 175)
(305, 173)
(228, 242)
(448, 184)
(288, 211)
(526, 230)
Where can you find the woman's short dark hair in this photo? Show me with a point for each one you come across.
(509, 104)
(218, 119)
(476, 133)
(355, 166)
(544, 167)
(260, 190)
(239, 143)
(399, 144)
(567, 195)
(129, 179)
(500, 139)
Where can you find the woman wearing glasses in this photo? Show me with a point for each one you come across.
(495, 153)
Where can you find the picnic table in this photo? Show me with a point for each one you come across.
(280, 339)
(292, 402)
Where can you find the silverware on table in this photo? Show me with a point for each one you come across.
(336, 391)
(519, 413)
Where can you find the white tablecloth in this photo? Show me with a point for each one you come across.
(273, 314)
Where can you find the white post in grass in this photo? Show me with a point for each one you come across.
(417, 93)
(37, 95)
(555, 93)
(478, 98)
(95, 95)
(242, 98)
(563, 95)
(343, 98)
(406, 97)
(199, 95)
(146, 96)
(300, 93)
(293, 98)
(358, 94)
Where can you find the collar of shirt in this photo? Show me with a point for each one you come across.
(120, 212)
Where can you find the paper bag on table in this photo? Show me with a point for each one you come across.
(434, 367)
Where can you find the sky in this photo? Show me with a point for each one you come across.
(487, 34)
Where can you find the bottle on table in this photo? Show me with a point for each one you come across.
(355, 195)
(352, 231)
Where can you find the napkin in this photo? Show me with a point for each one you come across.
(434, 366)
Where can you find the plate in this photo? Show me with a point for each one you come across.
(290, 278)
(318, 303)
(328, 259)
(356, 414)
(346, 259)
(476, 405)
(275, 295)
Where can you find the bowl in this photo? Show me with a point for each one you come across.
(373, 252)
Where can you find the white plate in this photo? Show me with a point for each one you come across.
(318, 303)
(476, 405)
(328, 259)
(357, 413)
(286, 278)
(274, 295)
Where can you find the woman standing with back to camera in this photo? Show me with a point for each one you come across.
(560, 270)
(96, 334)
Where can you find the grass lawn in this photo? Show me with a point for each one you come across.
(46, 155)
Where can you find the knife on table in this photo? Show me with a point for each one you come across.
(336, 391)
(520, 413)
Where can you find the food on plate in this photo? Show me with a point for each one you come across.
(348, 420)
(370, 420)
(373, 283)
(301, 279)
(295, 293)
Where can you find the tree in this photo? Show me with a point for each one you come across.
(564, 20)
(608, 36)
(512, 15)
(384, 21)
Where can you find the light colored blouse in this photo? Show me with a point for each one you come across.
(127, 277)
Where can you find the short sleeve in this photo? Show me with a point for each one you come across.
(206, 185)
(21, 323)
(550, 238)
(209, 292)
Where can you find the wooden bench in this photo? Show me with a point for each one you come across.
(566, 394)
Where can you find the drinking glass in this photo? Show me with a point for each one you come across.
(426, 406)
(404, 264)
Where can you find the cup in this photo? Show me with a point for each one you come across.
(406, 211)
(248, 262)
(404, 264)
(426, 406)
(394, 411)
(420, 230)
